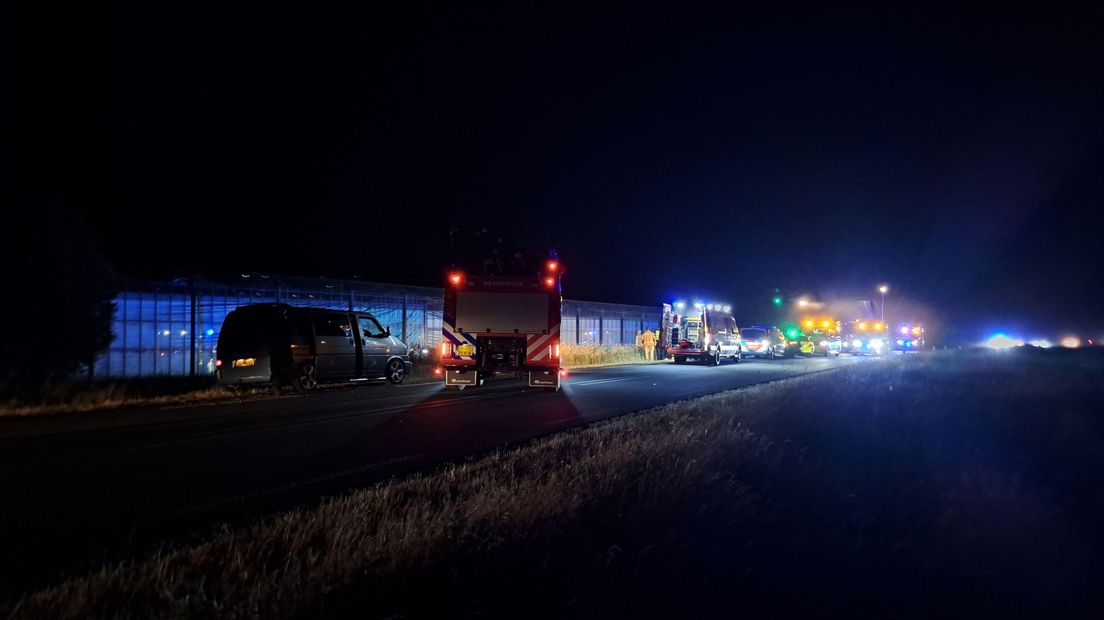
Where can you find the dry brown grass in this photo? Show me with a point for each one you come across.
(866, 486)
(579, 356)
(147, 392)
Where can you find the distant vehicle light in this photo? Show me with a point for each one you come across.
(862, 326)
(877, 327)
(905, 330)
(808, 323)
(552, 265)
(917, 330)
(1071, 342)
(550, 282)
(876, 343)
(900, 342)
(709, 307)
(679, 304)
(437, 370)
(456, 279)
(218, 363)
(856, 343)
(826, 324)
(728, 308)
(1001, 341)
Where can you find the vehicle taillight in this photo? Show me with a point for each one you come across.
(456, 278)
(550, 282)
(552, 266)
(437, 371)
(218, 363)
(446, 349)
(563, 372)
(556, 351)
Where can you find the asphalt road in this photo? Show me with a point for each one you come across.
(78, 490)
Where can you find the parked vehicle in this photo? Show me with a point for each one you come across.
(861, 337)
(762, 341)
(910, 337)
(704, 333)
(825, 335)
(502, 325)
(303, 347)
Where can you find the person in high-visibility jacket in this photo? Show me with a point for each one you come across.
(640, 344)
(649, 345)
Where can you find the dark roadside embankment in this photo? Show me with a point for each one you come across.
(921, 486)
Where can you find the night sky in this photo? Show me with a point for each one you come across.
(956, 157)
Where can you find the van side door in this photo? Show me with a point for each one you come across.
(376, 345)
(335, 348)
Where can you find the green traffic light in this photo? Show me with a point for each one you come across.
(777, 301)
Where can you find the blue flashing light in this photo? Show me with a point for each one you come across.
(210, 332)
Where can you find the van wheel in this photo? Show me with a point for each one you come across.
(306, 379)
(396, 372)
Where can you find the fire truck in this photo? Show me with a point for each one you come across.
(824, 332)
(863, 337)
(502, 325)
(703, 332)
(910, 337)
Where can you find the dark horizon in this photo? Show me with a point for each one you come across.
(954, 157)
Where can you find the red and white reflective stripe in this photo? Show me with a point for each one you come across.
(538, 346)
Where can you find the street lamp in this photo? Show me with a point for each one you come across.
(883, 288)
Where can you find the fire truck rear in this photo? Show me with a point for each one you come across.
(502, 325)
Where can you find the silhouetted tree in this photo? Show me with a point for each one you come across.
(58, 307)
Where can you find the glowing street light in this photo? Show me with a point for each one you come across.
(883, 289)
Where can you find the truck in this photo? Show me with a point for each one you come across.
(702, 332)
(910, 337)
(824, 333)
(865, 337)
(502, 325)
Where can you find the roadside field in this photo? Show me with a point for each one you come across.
(926, 485)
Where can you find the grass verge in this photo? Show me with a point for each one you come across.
(582, 355)
(78, 397)
(911, 487)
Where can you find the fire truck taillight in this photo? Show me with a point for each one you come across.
(563, 372)
(446, 349)
(556, 351)
(456, 279)
(437, 371)
(552, 266)
(549, 282)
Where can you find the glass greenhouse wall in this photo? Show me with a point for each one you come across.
(172, 328)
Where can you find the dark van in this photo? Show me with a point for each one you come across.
(302, 347)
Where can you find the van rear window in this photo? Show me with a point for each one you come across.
(250, 333)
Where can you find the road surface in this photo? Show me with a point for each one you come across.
(81, 489)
